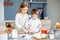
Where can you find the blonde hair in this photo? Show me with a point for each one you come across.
(23, 4)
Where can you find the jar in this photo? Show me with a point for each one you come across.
(44, 31)
(51, 35)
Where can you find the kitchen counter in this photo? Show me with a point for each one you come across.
(45, 23)
(4, 36)
(22, 38)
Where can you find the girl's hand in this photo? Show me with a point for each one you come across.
(29, 31)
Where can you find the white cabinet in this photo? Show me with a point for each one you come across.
(46, 24)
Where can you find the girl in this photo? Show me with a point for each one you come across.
(22, 16)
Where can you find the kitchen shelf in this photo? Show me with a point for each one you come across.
(39, 2)
(32, 2)
(42, 3)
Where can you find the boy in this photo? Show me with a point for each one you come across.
(34, 23)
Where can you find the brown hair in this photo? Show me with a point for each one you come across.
(34, 11)
(23, 4)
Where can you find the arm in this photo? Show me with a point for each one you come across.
(29, 30)
(26, 23)
(29, 27)
(17, 22)
(39, 25)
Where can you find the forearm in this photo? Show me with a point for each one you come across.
(29, 28)
(39, 26)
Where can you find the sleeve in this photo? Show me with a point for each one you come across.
(26, 23)
(29, 22)
(17, 22)
(39, 22)
(27, 17)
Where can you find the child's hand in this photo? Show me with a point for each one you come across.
(29, 31)
(39, 26)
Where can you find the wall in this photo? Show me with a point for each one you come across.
(53, 9)
(1, 12)
(10, 11)
(59, 10)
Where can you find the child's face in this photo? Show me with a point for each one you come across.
(36, 12)
(34, 16)
(24, 10)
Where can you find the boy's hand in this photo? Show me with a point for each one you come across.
(39, 26)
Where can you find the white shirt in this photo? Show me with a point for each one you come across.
(20, 20)
(34, 24)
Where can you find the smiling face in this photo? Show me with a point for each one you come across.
(34, 16)
(25, 10)
(23, 7)
(34, 13)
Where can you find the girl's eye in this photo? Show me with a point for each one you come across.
(23, 10)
